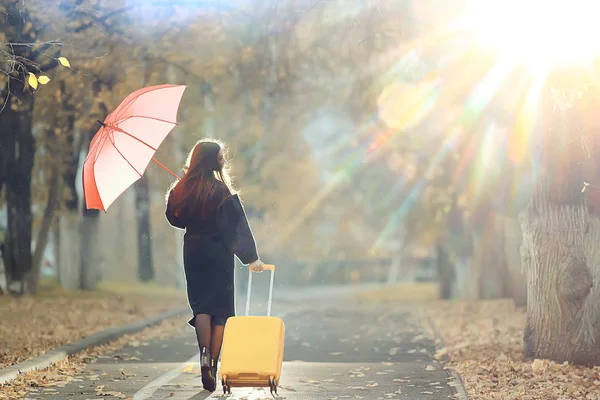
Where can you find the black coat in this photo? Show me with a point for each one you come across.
(209, 247)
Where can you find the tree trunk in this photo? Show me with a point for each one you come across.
(459, 249)
(56, 249)
(142, 206)
(490, 261)
(445, 272)
(142, 213)
(512, 252)
(562, 261)
(20, 152)
(69, 223)
(90, 271)
(561, 238)
(89, 266)
(209, 110)
(33, 278)
(69, 269)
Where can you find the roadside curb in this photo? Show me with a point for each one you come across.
(60, 353)
(460, 392)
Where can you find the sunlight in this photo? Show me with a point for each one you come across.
(539, 33)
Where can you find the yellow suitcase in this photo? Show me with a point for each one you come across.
(252, 353)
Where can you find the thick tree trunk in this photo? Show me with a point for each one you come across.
(561, 237)
(562, 260)
(21, 151)
(142, 206)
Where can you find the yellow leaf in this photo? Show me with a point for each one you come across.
(64, 62)
(32, 80)
(43, 79)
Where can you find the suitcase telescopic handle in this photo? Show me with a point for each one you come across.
(271, 268)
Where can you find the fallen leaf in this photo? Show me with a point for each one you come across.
(102, 393)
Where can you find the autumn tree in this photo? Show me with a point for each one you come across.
(24, 63)
(561, 223)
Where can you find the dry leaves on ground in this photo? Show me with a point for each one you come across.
(67, 371)
(34, 325)
(484, 341)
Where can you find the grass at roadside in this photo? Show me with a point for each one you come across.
(32, 325)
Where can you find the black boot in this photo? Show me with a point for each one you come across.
(208, 379)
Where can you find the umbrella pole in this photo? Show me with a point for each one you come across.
(165, 168)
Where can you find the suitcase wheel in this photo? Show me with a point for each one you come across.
(226, 386)
(273, 385)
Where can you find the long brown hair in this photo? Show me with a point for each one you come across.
(199, 188)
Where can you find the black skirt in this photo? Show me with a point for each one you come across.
(209, 272)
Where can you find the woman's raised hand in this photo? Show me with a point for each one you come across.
(257, 266)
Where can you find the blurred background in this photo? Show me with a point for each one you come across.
(373, 142)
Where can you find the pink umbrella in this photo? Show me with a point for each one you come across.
(127, 141)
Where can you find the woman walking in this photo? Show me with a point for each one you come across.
(204, 203)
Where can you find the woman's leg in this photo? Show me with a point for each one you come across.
(202, 324)
(216, 340)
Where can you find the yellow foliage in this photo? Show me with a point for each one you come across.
(32, 81)
(43, 79)
(64, 62)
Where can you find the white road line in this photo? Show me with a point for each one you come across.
(147, 391)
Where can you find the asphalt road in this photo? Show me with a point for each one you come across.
(334, 350)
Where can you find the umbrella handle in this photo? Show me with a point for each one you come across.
(165, 168)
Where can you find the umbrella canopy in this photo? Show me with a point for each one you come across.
(127, 141)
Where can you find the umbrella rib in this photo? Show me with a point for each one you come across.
(145, 117)
(126, 106)
(101, 145)
(125, 158)
(93, 150)
(133, 137)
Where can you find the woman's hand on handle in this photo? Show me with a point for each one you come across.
(257, 266)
